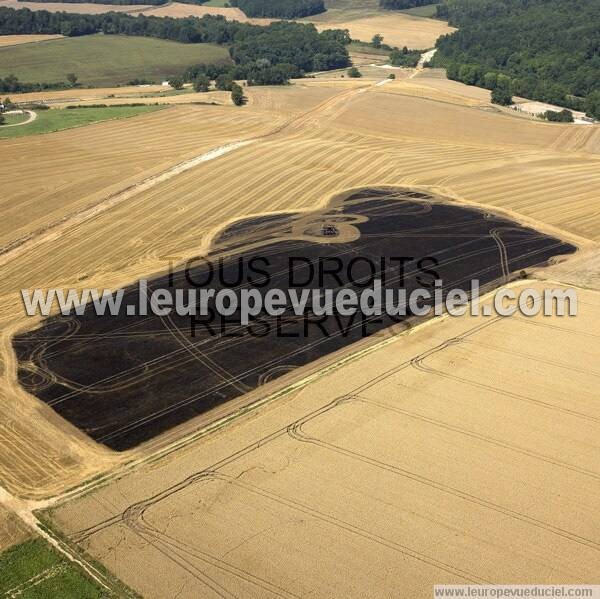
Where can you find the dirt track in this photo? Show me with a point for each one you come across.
(32, 116)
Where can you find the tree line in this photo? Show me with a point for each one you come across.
(263, 55)
(280, 9)
(11, 84)
(547, 50)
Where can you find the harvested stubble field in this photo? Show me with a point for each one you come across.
(80, 8)
(12, 529)
(451, 454)
(398, 29)
(15, 40)
(97, 93)
(324, 138)
(171, 9)
(105, 60)
(364, 19)
(83, 172)
(179, 10)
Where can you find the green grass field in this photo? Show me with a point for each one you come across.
(365, 48)
(354, 9)
(37, 571)
(219, 3)
(421, 11)
(105, 60)
(13, 119)
(63, 118)
(366, 5)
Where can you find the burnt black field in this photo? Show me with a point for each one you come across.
(123, 379)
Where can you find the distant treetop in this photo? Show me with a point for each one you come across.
(280, 9)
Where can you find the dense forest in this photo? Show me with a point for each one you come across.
(546, 50)
(402, 4)
(263, 55)
(280, 9)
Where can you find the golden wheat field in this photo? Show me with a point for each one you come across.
(458, 440)
(12, 530)
(81, 8)
(397, 29)
(178, 10)
(102, 205)
(172, 9)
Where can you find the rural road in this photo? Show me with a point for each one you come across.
(425, 57)
(32, 117)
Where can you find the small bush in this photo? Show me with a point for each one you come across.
(564, 116)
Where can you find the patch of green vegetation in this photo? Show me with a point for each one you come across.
(13, 119)
(22, 562)
(429, 11)
(117, 587)
(67, 583)
(404, 4)
(339, 11)
(40, 572)
(370, 5)
(48, 121)
(105, 60)
(218, 3)
(365, 48)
